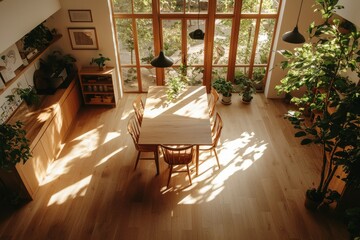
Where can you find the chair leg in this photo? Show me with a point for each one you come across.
(137, 160)
(217, 159)
(171, 168)
(156, 155)
(188, 171)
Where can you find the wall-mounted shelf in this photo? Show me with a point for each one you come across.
(23, 68)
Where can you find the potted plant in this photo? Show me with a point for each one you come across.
(38, 38)
(29, 95)
(245, 86)
(332, 98)
(258, 78)
(175, 85)
(100, 61)
(14, 149)
(53, 72)
(225, 88)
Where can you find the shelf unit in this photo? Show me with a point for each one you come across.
(97, 86)
(23, 68)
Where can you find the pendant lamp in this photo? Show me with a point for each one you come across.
(294, 36)
(161, 61)
(198, 34)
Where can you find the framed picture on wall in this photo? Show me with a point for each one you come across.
(83, 38)
(80, 15)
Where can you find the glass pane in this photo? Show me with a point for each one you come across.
(195, 48)
(145, 40)
(222, 41)
(270, 6)
(126, 41)
(225, 6)
(218, 72)
(250, 6)
(168, 6)
(142, 6)
(258, 76)
(122, 6)
(193, 6)
(148, 77)
(264, 41)
(245, 41)
(172, 39)
(195, 76)
(129, 79)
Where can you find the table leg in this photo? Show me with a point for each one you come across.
(197, 160)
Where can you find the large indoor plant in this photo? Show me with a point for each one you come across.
(14, 149)
(225, 88)
(320, 68)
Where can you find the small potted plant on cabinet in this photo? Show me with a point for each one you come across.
(14, 149)
(29, 95)
(225, 88)
(100, 61)
(245, 86)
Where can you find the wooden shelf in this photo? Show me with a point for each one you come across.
(100, 79)
(23, 68)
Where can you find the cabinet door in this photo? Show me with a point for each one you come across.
(51, 139)
(70, 108)
(34, 170)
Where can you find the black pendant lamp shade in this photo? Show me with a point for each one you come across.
(198, 34)
(294, 36)
(162, 61)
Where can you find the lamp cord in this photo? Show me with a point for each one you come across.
(297, 21)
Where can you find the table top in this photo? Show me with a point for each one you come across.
(182, 121)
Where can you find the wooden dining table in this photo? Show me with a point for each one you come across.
(183, 121)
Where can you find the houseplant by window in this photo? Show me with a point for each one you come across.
(245, 86)
(100, 61)
(330, 96)
(225, 88)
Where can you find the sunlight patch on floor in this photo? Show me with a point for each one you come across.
(77, 189)
(81, 147)
(234, 156)
(105, 159)
(110, 136)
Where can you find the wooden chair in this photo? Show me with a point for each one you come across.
(134, 130)
(214, 97)
(216, 132)
(138, 106)
(178, 155)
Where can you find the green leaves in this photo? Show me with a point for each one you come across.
(306, 141)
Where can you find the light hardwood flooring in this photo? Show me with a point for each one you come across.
(92, 191)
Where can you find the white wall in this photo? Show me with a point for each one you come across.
(287, 22)
(102, 21)
(350, 11)
(18, 17)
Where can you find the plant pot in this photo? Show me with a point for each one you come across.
(226, 100)
(311, 204)
(246, 100)
(312, 200)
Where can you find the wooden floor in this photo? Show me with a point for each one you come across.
(92, 191)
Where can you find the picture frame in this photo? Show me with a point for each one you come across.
(83, 38)
(80, 15)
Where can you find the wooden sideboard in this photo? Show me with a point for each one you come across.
(46, 129)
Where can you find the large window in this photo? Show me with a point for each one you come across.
(238, 39)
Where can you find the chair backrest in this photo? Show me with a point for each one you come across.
(176, 155)
(214, 97)
(138, 106)
(134, 130)
(216, 130)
